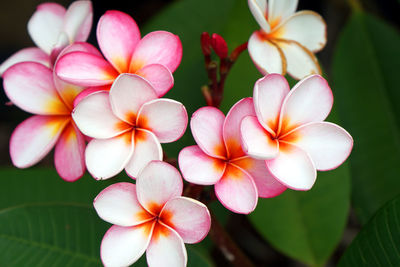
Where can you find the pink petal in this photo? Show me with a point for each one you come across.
(157, 183)
(33, 54)
(293, 167)
(106, 158)
(256, 141)
(127, 94)
(80, 47)
(206, 125)
(118, 36)
(199, 168)
(159, 76)
(69, 155)
(305, 27)
(327, 144)
(89, 91)
(166, 248)
(166, 118)
(30, 86)
(269, 93)
(231, 128)
(301, 62)
(68, 92)
(310, 100)
(267, 185)
(94, 117)
(236, 190)
(188, 217)
(34, 138)
(279, 10)
(46, 24)
(122, 246)
(78, 21)
(159, 47)
(147, 148)
(85, 69)
(266, 55)
(259, 10)
(118, 204)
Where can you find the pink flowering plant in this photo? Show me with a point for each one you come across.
(118, 109)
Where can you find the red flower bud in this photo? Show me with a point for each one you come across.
(219, 45)
(205, 43)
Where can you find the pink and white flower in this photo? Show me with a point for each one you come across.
(287, 39)
(289, 131)
(52, 28)
(127, 124)
(153, 57)
(150, 216)
(219, 160)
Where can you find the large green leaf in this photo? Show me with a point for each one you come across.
(307, 226)
(365, 75)
(378, 242)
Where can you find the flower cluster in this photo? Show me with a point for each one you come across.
(104, 111)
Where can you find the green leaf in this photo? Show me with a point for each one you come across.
(307, 226)
(377, 244)
(50, 235)
(365, 76)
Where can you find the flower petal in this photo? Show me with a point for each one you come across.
(267, 185)
(269, 94)
(199, 168)
(166, 118)
(118, 204)
(266, 55)
(81, 47)
(259, 10)
(30, 86)
(327, 144)
(127, 94)
(279, 10)
(305, 27)
(118, 35)
(78, 21)
(159, 47)
(46, 24)
(159, 76)
(122, 246)
(147, 148)
(231, 128)
(310, 100)
(94, 117)
(157, 183)
(256, 141)
(206, 125)
(69, 155)
(166, 248)
(34, 138)
(105, 158)
(188, 217)
(236, 190)
(300, 61)
(85, 69)
(68, 92)
(293, 167)
(33, 54)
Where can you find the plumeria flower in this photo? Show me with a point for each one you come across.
(150, 216)
(35, 88)
(219, 160)
(127, 124)
(289, 131)
(287, 40)
(52, 28)
(153, 57)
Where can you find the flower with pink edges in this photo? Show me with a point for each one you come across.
(289, 131)
(219, 160)
(150, 216)
(154, 57)
(287, 39)
(35, 88)
(52, 28)
(127, 124)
